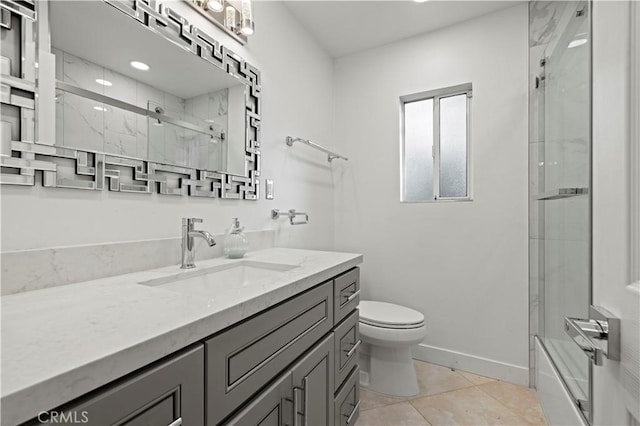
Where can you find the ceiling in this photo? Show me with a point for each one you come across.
(345, 27)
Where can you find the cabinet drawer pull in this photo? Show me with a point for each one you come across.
(296, 410)
(177, 422)
(353, 349)
(353, 413)
(351, 296)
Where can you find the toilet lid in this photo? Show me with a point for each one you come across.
(388, 315)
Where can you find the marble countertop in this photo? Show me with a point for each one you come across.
(62, 342)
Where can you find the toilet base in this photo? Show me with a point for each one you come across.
(392, 371)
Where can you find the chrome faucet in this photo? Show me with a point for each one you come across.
(188, 248)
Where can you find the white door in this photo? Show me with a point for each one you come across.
(616, 203)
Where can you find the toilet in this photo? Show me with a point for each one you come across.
(391, 330)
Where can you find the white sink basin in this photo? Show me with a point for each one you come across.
(212, 280)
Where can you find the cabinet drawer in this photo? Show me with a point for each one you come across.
(346, 290)
(347, 402)
(347, 342)
(242, 360)
(171, 392)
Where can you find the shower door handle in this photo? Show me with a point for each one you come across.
(597, 336)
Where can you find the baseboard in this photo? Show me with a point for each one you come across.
(516, 374)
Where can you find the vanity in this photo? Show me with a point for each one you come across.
(271, 339)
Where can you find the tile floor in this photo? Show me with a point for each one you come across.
(449, 397)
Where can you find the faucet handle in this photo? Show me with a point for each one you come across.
(191, 220)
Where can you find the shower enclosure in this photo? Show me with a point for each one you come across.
(560, 184)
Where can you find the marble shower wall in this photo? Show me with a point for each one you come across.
(86, 124)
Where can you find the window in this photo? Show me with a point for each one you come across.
(435, 145)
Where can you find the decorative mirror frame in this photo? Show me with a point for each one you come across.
(95, 170)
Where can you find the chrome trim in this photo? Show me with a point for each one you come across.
(353, 412)
(291, 214)
(351, 296)
(597, 336)
(177, 422)
(296, 410)
(330, 154)
(560, 193)
(353, 349)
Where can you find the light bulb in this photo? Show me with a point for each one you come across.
(230, 18)
(247, 18)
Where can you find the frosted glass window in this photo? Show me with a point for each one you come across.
(435, 145)
(453, 146)
(418, 146)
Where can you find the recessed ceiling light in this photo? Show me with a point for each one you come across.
(104, 82)
(139, 65)
(420, 1)
(99, 108)
(578, 42)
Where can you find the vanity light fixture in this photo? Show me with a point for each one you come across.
(104, 82)
(577, 42)
(236, 21)
(139, 65)
(215, 5)
(247, 26)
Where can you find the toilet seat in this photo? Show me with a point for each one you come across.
(388, 315)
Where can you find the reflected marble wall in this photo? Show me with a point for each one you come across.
(86, 124)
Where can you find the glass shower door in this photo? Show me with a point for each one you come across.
(564, 200)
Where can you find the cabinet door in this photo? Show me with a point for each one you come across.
(270, 408)
(169, 393)
(313, 386)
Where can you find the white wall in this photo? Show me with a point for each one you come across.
(462, 264)
(297, 100)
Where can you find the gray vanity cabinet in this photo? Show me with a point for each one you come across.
(293, 364)
(169, 393)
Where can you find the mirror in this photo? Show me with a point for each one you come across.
(125, 90)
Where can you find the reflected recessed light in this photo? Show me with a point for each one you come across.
(216, 5)
(139, 65)
(99, 108)
(420, 1)
(578, 42)
(104, 82)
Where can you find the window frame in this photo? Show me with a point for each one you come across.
(436, 95)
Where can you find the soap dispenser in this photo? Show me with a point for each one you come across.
(236, 242)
